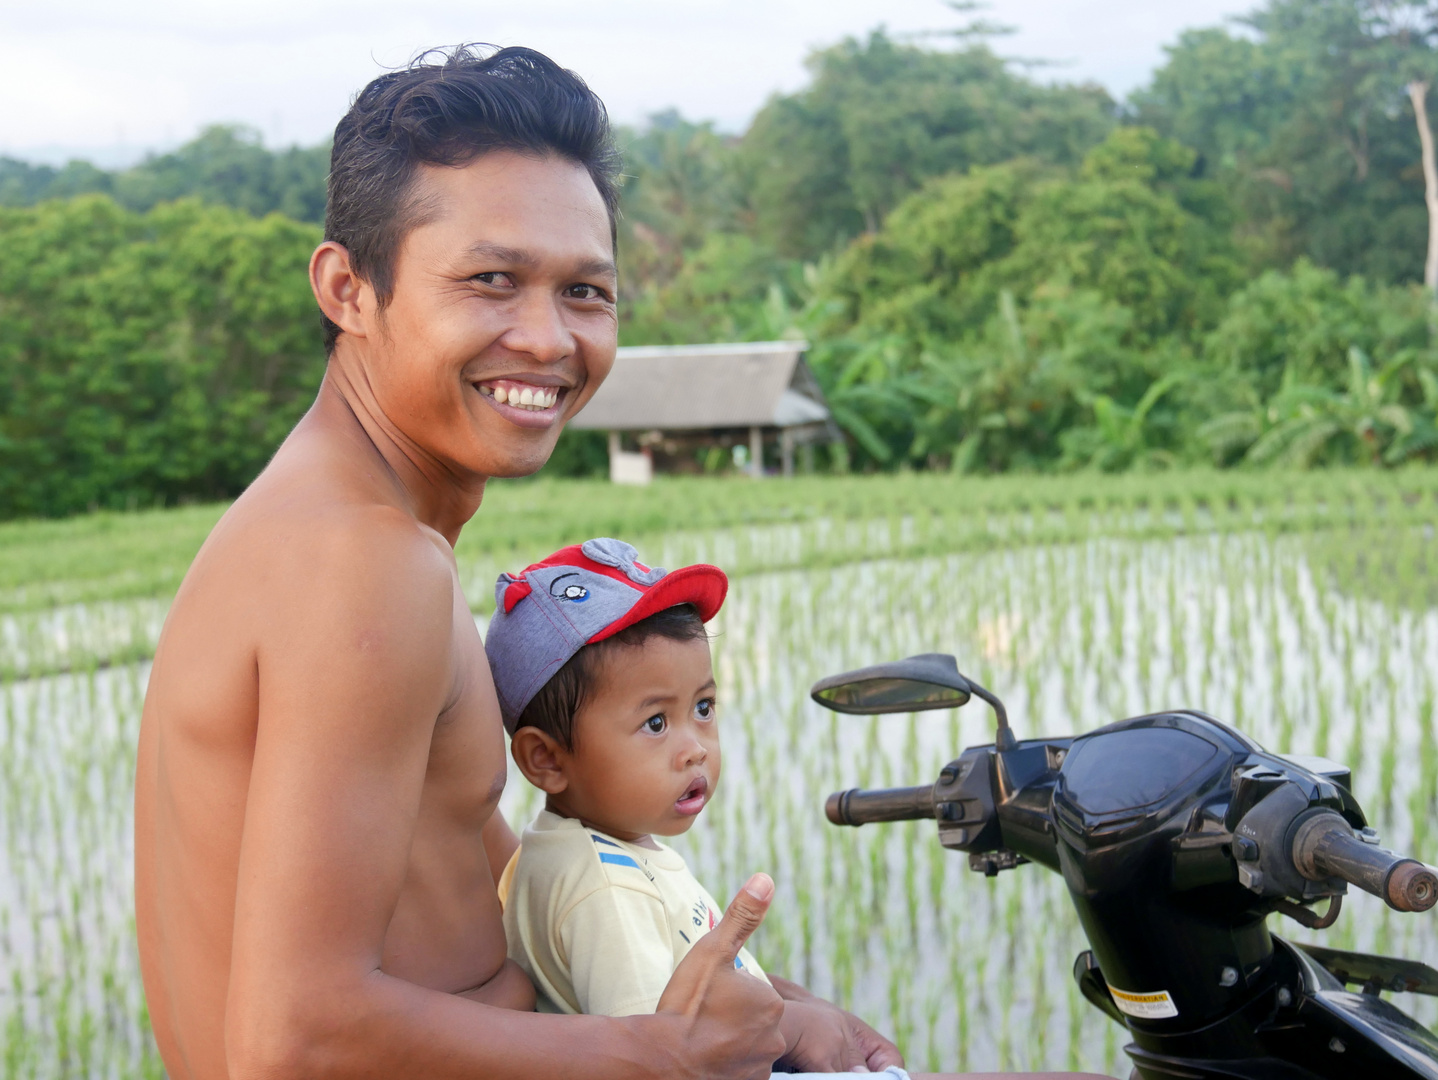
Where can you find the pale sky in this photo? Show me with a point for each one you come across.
(110, 79)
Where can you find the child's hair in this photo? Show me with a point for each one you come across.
(553, 708)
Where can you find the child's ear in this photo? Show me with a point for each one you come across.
(541, 759)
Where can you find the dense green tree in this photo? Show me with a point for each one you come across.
(1288, 377)
(24, 184)
(1307, 125)
(680, 187)
(729, 289)
(1003, 397)
(1131, 225)
(995, 273)
(229, 166)
(1137, 228)
(224, 164)
(880, 117)
(1302, 325)
(1026, 316)
(928, 270)
(148, 358)
(1363, 422)
(1406, 35)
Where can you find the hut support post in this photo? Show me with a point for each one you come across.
(786, 450)
(756, 452)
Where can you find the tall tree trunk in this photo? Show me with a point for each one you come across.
(1418, 94)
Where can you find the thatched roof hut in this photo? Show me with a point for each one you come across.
(686, 396)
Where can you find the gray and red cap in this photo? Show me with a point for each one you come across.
(579, 595)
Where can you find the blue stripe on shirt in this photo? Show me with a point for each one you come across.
(617, 860)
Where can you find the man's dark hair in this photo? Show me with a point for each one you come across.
(450, 113)
(552, 710)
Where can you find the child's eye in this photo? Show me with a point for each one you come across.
(704, 710)
(655, 725)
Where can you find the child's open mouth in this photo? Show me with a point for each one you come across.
(694, 797)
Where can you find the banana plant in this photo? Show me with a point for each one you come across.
(992, 400)
(1301, 422)
(1423, 436)
(1121, 436)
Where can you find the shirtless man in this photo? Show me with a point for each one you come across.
(321, 755)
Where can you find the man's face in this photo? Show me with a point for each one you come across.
(502, 322)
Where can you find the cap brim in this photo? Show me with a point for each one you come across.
(702, 585)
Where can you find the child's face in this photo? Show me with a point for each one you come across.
(646, 747)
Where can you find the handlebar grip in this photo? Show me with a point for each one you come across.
(857, 806)
(1325, 846)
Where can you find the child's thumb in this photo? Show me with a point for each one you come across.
(746, 912)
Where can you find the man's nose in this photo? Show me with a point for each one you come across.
(539, 329)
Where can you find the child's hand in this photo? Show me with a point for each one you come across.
(820, 1037)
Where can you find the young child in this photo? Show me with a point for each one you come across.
(603, 674)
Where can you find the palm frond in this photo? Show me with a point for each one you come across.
(1397, 417)
(1153, 393)
(1273, 443)
(1231, 431)
(1308, 441)
(967, 452)
(861, 429)
(1423, 437)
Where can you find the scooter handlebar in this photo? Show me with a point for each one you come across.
(857, 806)
(1325, 846)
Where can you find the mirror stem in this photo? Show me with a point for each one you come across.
(1004, 737)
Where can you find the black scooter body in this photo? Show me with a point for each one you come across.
(1325, 1031)
(1172, 833)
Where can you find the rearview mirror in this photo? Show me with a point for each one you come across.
(930, 681)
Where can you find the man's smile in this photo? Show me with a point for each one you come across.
(525, 401)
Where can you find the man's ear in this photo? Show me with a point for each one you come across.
(541, 759)
(344, 297)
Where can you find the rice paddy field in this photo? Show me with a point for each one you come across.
(1303, 609)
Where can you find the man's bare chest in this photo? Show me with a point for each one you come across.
(467, 760)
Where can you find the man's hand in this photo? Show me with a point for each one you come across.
(729, 1019)
(821, 1037)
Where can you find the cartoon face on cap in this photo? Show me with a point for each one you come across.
(577, 596)
(563, 589)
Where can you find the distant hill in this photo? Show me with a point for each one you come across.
(224, 164)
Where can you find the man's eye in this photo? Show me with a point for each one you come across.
(497, 278)
(586, 292)
(655, 725)
(705, 709)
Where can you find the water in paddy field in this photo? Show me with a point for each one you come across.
(71, 1003)
(965, 972)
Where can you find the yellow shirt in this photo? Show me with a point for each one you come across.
(599, 924)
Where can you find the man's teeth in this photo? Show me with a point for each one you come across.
(534, 398)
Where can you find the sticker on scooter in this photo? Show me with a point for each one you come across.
(1155, 1006)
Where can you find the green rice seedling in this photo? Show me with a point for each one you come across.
(1077, 601)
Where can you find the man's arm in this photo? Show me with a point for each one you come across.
(354, 669)
(839, 1040)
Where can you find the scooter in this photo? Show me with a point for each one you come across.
(1177, 837)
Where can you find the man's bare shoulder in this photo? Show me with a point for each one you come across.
(313, 537)
(290, 564)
